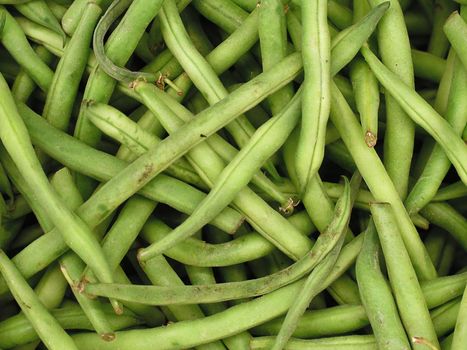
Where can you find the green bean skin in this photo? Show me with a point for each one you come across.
(408, 295)
(377, 297)
(225, 14)
(427, 66)
(439, 44)
(460, 331)
(316, 52)
(43, 322)
(423, 114)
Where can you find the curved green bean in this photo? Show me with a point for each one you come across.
(316, 52)
(352, 342)
(234, 290)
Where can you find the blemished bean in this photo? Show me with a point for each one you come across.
(407, 292)
(48, 329)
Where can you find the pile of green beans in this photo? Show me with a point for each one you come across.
(233, 174)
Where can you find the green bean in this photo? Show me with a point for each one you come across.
(194, 252)
(439, 44)
(366, 93)
(445, 216)
(17, 330)
(14, 40)
(459, 340)
(161, 273)
(338, 14)
(447, 258)
(273, 42)
(417, 23)
(105, 63)
(369, 164)
(234, 177)
(30, 262)
(377, 297)
(353, 342)
(316, 51)
(64, 87)
(9, 230)
(48, 329)
(445, 316)
(407, 292)
(422, 113)
(38, 11)
(452, 191)
(24, 85)
(331, 321)
(101, 166)
(57, 9)
(427, 66)
(224, 14)
(434, 243)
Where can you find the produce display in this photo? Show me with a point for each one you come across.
(233, 174)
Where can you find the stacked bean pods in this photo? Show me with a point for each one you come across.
(233, 174)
